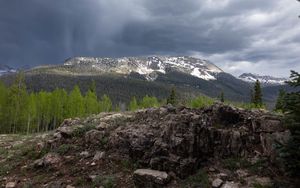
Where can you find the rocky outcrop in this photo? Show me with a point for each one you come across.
(180, 139)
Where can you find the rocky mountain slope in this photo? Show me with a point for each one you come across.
(122, 78)
(145, 66)
(218, 146)
(264, 80)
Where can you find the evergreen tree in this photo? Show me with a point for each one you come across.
(222, 97)
(172, 97)
(93, 87)
(290, 153)
(280, 100)
(133, 105)
(257, 94)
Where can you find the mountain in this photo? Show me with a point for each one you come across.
(264, 80)
(122, 78)
(147, 67)
(5, 69)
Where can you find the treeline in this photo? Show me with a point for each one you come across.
(24, 112)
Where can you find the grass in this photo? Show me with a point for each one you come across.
(105, 181)
(236, 163)
(64, 148)
(80, 131)
(200, 179)
(201, 101)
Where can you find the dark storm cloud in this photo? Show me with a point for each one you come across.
(235, 34)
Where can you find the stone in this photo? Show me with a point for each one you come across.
(228, 184)
(65, 131)
(102, 126)
(48, 160)
(99, 155)
(242, 173)
(11, 185)
(70, 186)
(85, 154)
(94, 136)
(150, 178)
(217, 183)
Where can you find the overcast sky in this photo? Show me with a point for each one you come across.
(259, 36)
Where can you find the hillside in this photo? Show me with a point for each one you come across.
(163, 147)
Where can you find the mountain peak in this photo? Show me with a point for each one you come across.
(265, 80)
(148, 66)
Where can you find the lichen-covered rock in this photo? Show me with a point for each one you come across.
(147, 178)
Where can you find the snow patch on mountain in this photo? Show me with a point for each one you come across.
(5, 69)
(148, 66)
(264, 80)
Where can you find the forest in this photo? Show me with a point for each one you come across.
(28, 112)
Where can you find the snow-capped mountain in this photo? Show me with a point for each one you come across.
(264, 80)
(149, 67)
(5, 69)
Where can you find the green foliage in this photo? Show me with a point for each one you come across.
(172, 98)
(280, 100)
(80, 131)
(222, 97)
(290, 153)
(148, 102)
(105, 104)
(133, 105)
(257, 96)
(105, 181)
(200, 179)
(201, 101)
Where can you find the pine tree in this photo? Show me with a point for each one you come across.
(257, 94)
(290, 153)
(280, 100)
(222, 97)
(133, 105)
(172, 97)
(93, 87)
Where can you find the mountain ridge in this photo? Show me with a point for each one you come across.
(265, 80)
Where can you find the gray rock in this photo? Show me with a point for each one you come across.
(217, 183)
(48, 160)
(99, 155)
(11, 185)
(150, 178)
(94, 136)
(85, 154)
(230, 185)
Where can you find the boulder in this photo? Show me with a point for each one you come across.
(150, 178)
(49, 159)
(11, 185)
(217, 183)
(99, 155)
